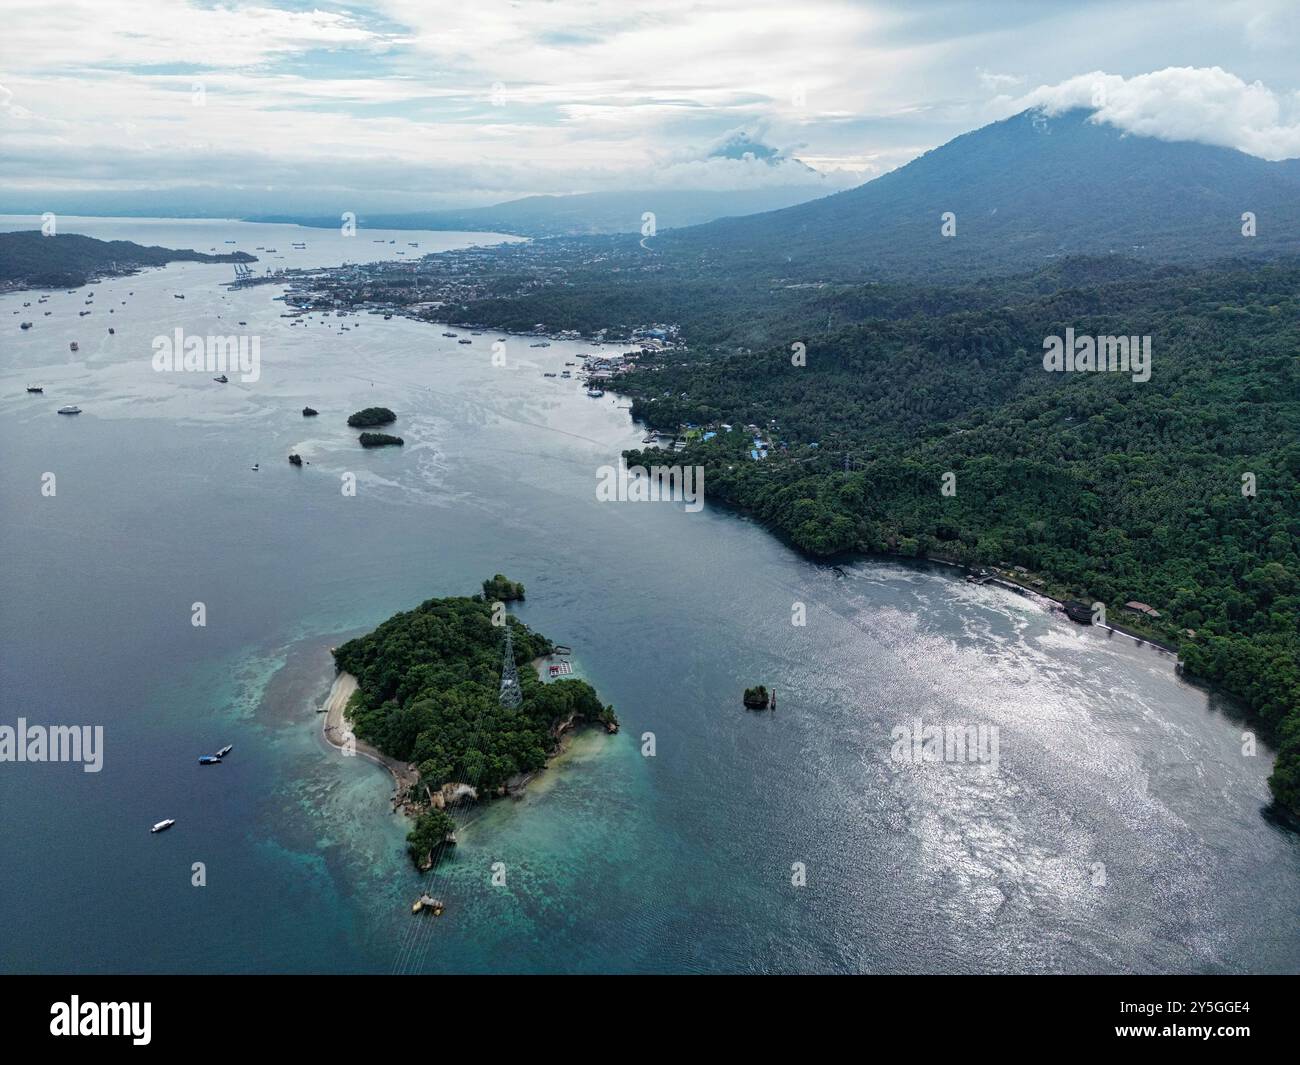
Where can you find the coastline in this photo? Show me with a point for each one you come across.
(336, 732)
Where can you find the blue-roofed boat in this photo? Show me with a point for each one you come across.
(210, 759)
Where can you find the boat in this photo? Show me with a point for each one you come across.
(73, 409)
(225, 750)
(111, 330)
(209, 759)
(255, 466)
(74, 346)
(465, 341)
(566, 373)
(295, 459)
(230, 242)
(540, 344)
(35, 388)
(178, 295)
(450, 334)
(223, 379)
(548, 375)
(25, 325)
(595, 393)
(162, 826)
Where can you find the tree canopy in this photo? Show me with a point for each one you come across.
(428, 692)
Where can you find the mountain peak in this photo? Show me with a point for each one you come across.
(1022, 192)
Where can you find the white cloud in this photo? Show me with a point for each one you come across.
(997, 82)
(1203, 104)
(594, 94)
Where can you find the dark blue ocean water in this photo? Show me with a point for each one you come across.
(1122, 830)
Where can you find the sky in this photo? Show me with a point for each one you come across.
(266, 107)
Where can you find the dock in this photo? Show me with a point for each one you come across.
(429, 903)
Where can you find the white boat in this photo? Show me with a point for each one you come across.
(71, 409)
(595, 393)
(162, 826)
(225, 750)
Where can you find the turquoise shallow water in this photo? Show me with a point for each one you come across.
(614, 861)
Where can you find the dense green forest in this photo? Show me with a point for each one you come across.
(32, 260)
(371, 416)
(1107, 489)
(1182, 491)
(429, 683)
(502, 588)
(428, 834)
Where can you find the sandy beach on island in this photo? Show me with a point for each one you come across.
(336, 732)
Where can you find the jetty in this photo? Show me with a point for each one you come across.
(426, 903)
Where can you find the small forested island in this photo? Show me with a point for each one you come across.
(435, 689)
(29, 259)
(371, 416)
(381, 440)
(309, 412)
(503, 589)
(757, 698)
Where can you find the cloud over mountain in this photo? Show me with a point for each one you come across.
(1203, 104)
